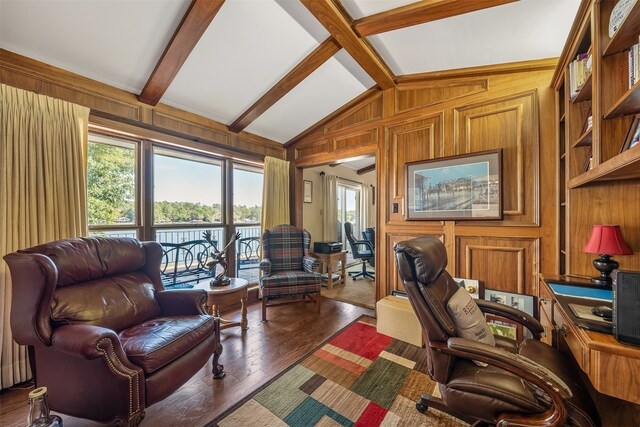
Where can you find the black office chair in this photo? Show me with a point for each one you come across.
(362, 250)
(369, 234)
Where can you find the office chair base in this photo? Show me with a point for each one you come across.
(427, 401)
(355, 275)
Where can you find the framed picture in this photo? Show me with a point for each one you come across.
(505, 328)
(526, 303)
(308, 188)
(633, 136)
(466, 187)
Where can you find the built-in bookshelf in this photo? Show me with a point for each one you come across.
(598, 110)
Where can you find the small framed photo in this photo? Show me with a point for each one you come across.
(465, 187)
(633, 136)
(522, 302)
(505, 328)
(308, 189)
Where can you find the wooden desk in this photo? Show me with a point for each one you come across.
(330, 261)
(613, 368)
(228, 294)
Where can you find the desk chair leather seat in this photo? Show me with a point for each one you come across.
(530, 383)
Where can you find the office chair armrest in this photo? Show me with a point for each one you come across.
(530, 371)
(365, 243)
(310, 264)
(265, 266)
(511, 313)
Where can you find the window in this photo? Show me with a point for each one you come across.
(187, 188)
(111, 183)
(247, 214)
(348, 201)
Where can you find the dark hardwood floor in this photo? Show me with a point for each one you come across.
(250, 360)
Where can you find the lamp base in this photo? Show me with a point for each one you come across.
(605, 265)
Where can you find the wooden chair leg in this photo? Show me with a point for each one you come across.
(264, 309)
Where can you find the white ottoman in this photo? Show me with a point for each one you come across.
(397, 319)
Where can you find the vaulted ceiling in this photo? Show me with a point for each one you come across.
(276, 67)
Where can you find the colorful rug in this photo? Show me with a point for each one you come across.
(358, 378)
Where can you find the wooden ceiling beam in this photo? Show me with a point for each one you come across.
(194, 23)
(366, 169)
(315, 59)
(335, 20)
(419, 13)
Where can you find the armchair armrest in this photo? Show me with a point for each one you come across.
(520, 366)
(511, 313)
(265, 266)
(310, 264)
(88, 342)
(182, 301)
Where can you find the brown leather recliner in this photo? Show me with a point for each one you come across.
(528, 383)
(104, 336)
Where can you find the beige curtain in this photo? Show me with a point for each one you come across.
(330, 208)
(275, 195)
(367, 209)
(43, 143)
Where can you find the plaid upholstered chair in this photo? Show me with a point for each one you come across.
(287, 269)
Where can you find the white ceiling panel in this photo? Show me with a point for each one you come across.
(324, 91)
(114, 42)
(249, 46)
(361, 8)
(520, 31)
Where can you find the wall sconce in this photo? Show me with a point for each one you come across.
(606, 240)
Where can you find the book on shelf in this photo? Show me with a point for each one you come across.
(588, 123)
(633, 136)
(579, 72)
(634, 64)
(588, 163)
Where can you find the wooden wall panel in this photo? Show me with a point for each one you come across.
(409, 142)
(369, 137)
(510, 124)
(369, 111)
(410, 97)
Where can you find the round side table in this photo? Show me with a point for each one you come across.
(225, 295)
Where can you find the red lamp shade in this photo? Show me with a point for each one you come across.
(607, 239)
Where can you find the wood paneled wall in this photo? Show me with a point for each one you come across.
(446, 117)
(118, 108)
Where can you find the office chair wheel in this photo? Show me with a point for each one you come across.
(421, 408)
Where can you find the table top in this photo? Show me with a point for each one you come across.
(236, 284)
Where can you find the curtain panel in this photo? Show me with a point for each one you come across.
(367, 209)
(43, 192)
(275, 196)
(330, 226)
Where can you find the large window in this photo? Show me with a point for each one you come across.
(348, 201)
(111, 183)
(187, 188)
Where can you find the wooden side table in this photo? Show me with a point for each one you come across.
(225, 295)
(329, 261)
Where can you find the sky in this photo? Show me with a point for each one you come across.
(451, 173)
(179, 180)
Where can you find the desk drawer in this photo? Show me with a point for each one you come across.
(568, 337)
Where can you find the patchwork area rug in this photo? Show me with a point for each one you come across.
(358, 378)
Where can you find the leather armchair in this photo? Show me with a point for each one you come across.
(103, 334)
(525, 384)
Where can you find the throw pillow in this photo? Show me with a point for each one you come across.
(469, 320)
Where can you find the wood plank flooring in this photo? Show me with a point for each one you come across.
(250, 360)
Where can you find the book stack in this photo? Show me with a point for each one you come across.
(634, 65)
(579, 72)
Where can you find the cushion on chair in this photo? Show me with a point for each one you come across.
(124, 300)
(156, 343)
(469, 320)
(284, 246)
(290, 283)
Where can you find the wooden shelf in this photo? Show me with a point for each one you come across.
(627, 34)
(625, 165)
(629, 103)
(585, 92)
(585, 139)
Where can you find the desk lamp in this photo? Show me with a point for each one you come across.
(606, 240)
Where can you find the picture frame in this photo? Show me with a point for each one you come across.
(505, 328)
(308, 191)
(523, 302)
(633, 136)
(465, 187)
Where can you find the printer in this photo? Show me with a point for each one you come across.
(327, 247)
